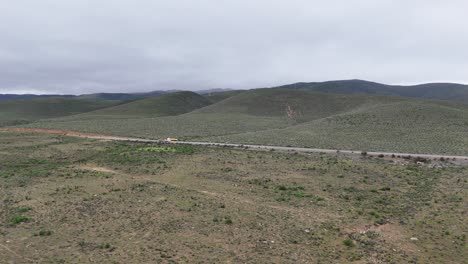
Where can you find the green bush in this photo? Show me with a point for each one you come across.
(24, 209)
(19, 219)
(348, 242)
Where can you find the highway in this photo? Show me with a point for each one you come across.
(239, 146)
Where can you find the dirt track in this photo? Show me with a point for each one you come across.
(255, 147)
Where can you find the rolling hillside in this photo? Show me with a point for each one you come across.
(165, 105)
(288, 117)
(360, 122)
(406, 126)
(121, 96)
(306, 105)
(24, 111)
(218, 96)
(438, 91)
(249, 111)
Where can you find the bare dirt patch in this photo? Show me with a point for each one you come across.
(97, 168)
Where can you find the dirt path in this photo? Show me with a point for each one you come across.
(241, 146)
(218, 196)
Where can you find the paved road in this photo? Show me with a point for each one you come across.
(255, 147)
(317, 150)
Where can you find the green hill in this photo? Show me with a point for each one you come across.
(164, 105)
(287, 117)
(24, 111)
(438, 91)
(306, 105)
(405, 126)
(121, 96)
(215, 97)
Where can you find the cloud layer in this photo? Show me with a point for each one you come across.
(83, 46)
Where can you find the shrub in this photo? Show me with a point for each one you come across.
(374, 214)
(24, 209)
(44, 233)
(422, 160)
(227, 220)
(19, 219)
(348, 242)
(380, 221)
(301, 195)
(282, 188)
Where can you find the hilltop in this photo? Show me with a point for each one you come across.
(94, 96)
(164, 105)
(438, 91)
(9, 97)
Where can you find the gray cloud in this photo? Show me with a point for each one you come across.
(84, 46)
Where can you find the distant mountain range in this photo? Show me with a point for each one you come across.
(437, 91)
(8, 97)
(103, 96)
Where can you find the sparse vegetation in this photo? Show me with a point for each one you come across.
(332, 121)
(96, 196)
(24, 209)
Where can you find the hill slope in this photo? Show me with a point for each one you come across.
(215, 97)
(23, 111)
(405, 126)
(293, 105)
(439, 91)
(164, 105)
(121, 96)
(287, 117)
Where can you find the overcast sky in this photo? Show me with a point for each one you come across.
(83, 46)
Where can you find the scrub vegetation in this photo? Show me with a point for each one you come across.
(66, 199)
(286, 117)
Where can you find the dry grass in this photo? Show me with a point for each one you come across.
(94, 201)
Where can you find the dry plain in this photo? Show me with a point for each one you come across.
(68, 200)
